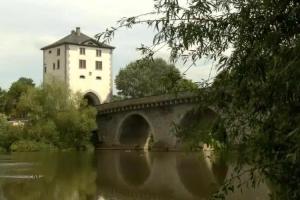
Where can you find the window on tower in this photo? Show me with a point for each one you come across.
(98, 53)
(53, 66)
(82, 51)
(98, 65)
(82, 64)
(58, 51)
(58, 64)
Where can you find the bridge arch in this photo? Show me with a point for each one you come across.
(135, 130)
(198, 119)
(92, 98)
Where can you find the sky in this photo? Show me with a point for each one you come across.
(28, 25)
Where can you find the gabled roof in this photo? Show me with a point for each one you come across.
(78, 38)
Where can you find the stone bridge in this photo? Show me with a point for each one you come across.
(147, 122)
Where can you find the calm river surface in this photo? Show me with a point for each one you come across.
(114, 175)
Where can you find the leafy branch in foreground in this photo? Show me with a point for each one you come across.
(257, 90)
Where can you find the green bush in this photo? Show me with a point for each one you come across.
(43, 131)
(55, 117)
(30, 146)
(8, 133)
(2, 150)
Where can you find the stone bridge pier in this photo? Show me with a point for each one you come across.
(145, 122)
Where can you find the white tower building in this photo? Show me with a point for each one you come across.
(83, 63)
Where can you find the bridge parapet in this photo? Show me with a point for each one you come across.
(148, 102)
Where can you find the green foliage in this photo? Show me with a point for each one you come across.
(42, 131)
(195, 128)
(116, 98)
(54, 118)
(8, 133)
(58, 116)
(30, 146)
(2, 100)
(150, 77)
(75, 127)
(2, 150)
(16, 90)
(257, 91)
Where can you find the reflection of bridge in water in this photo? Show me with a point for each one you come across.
(116, 175)
(139, 175)
(169, 176)
(131, 123)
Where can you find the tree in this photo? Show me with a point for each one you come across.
(8, 134)
(15, 92)
(258, 87)
(150, 77)
(116, 98)
(57, 116)
(2, 100)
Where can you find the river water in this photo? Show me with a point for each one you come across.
(115, 175)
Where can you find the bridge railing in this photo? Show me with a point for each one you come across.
(148, 102)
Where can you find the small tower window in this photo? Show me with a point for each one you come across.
(82, 64)
(98, 53)
(98, 65)
(82, 77)
(58, 51)
(45, 69)
(58, 64)
(98, 78)
(53, 66)
(82, 51)
(49, 51)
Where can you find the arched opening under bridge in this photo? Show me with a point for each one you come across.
(135, 131)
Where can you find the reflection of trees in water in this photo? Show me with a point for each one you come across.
(220, 170)
(196, 176)
(65, 177)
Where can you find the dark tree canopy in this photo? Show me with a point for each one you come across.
(14, 93)
(150, 77)
(258, 86)
(2, 100)
(20, 86)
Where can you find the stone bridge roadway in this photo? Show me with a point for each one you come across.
(149, 121)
